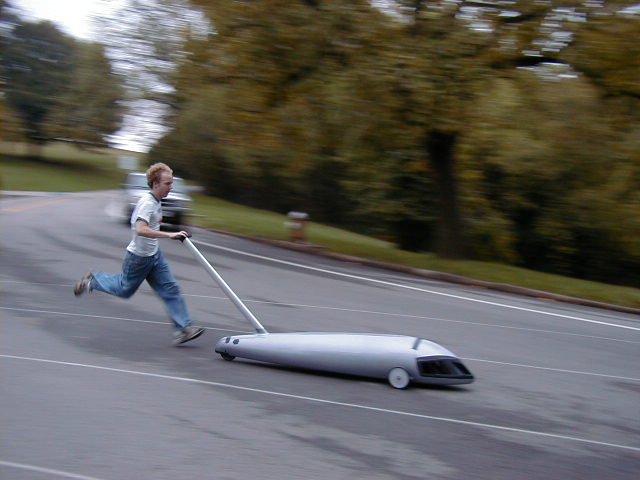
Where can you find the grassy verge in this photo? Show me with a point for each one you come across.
(222, 215)
(68, 169)
(62, 168)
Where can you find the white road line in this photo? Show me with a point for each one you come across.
(48, 471)
(227, 330)
(417, 289)
(135, 320)
(424, 317)
(332, 402)
(560, 370)
(371, 312)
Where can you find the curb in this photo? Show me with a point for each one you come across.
(431, 274)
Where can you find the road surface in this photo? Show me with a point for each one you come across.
(91, 388)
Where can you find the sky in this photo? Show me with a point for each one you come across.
(72, 16)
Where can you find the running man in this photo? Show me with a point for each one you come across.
(144, 259)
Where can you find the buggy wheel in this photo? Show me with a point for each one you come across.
(398, 378)
(226, 356)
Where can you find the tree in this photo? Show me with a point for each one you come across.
(37, 67)
(193, 148)
(434, 68)
(91, 108)
(394, 105)
(277, 67)
(59, 87)
(605, 50)
(555, 191)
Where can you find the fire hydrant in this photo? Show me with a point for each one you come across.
(297, 225)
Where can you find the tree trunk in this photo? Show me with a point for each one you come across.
(450, 242)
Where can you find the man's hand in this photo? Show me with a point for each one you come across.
(180, 235)
(143, 229)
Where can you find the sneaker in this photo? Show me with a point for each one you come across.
(83, 285)
(189, 333)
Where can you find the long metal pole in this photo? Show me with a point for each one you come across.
(227, 290)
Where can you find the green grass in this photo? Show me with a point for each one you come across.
(68, 169)
(62, 168)
(223, 215)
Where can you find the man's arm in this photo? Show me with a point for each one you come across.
(144, 230)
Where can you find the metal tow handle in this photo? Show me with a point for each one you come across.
(227, 290)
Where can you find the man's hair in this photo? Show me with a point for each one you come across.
(154, 172)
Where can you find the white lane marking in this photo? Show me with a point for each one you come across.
(48, 471)
(424, 317)
(228, 330)
(354, 310)
(135, 320)
(417, 289)
(560, 370)
(331, 402)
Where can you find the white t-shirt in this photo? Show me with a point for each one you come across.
(148, 209)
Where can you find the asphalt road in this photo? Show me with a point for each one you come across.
(91, 388)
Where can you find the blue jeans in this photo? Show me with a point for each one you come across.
(155, 270)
